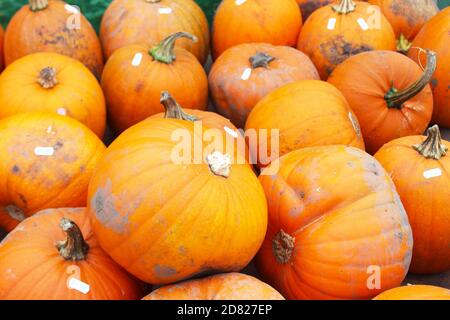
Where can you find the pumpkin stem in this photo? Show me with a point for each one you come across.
(153, 1)
(74, 247)
(261, 60)
(403, 45)
(395, 98)
(37, 5)
(344, 7)
(15, 212)
(163, 52)
(173, 109)
(283, 246)
(432, 147)
(47, 78)
(219, 164)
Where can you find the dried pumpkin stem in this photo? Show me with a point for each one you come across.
(15, 212)
(283, 247)
(403, 45)
(173, 109)
(261, 60)
(344, 7)
(163, 52)
(219, 164)
(432, 147)
(395, 98)
(37, 5)
(74, 247)
(47, 78)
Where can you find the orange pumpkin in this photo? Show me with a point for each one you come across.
(53, 26)
(47, 256)
(228, 286)
(135, 76)
(338, 31)
(203, 208)
(389, 94)
(53, 83)
(247, 21)
(244, 74)
(419, 167)
(415, 292)
(435, 35)
(47, 161)
(1, 48)
(406, 17)
(307, 7)
(337, 228)
(303, 114)
(148, 22)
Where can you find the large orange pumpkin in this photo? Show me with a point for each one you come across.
(55, 256)
(135, 76)
(244, 74)
(389, 94)
(419, 167)
(53, 83)
(247, 21)
(307, 7)
(1, 48)
(337, 228)
(338, 31)
(183, 208)
(303, 114)
(415, 292)
(435, 35)
(406, 17)
(47, 161)
(148, 22)
(53, 26)
(228, 286)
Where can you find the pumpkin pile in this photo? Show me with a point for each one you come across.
(305, 138)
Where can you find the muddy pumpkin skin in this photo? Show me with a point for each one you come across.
(148, 22)
(412, 162)
(329, 37)
(212, 213)
(54, 83)
(46, 164)
(41, 26)
(36, 264)
(415, 292)
(251, 21)
(235, 91)
(134, 78)
(307, 113)
(435, 35)
(407, 16)
(2, 35)
(307, 7)
(228, 286)
(333, 213)
(368, 78)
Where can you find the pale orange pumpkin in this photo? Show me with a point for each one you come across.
(55, 83)
(415, 292)
(49, 252)
(47, 162)
(419, 166)
(337, 228)
(52, 26)
(303, 114)
(228, 286)
(1, 48)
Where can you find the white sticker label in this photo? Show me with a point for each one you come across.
(71, 9)
(231, 132)
(363, 24)
(79, 286)
(165, 10)
(432, 173)
(137, 59)
(61, 111)
(246, 74)
(44, 151)
(331, 23)
(239, 2)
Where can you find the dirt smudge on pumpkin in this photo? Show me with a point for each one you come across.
(307, 8)
(103, 204)
(164, 271)
(15, 169)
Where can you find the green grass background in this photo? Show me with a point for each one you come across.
(93, 9)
